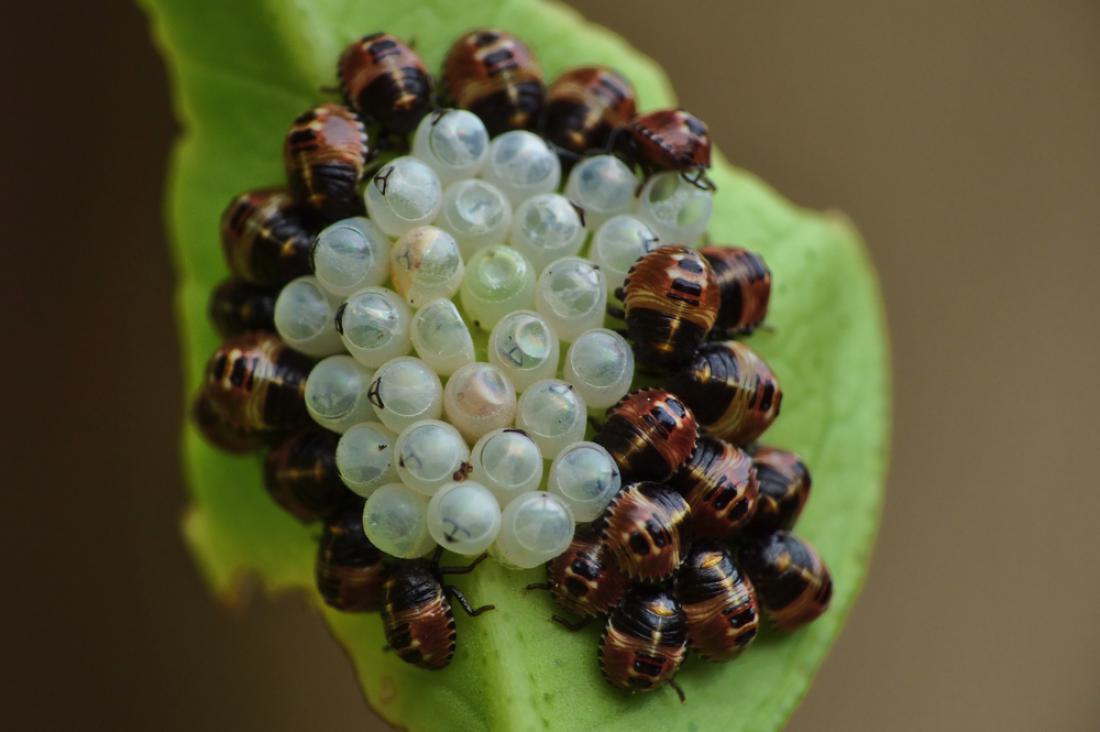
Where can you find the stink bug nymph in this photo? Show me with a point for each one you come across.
(325, 153)
(650, 433)
(494, 75)
(300, 474)
(256, 382)
(223, 434)
(349, 569)
(670, 303)
(644, 642)
(584, 106)
(645, 529)
(238, 307)
(790, 578)
(732, 392)
(720, 604)
(264, 239)
(719, 483)
(784, 489)
(668, 139)
(417, 616)
(745, 286)
(383, 79)
(584, 579)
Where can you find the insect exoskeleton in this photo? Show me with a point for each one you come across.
(784, 489)
(650, 433)
(385, 80)
(645, 641)
(720, 484)
(494, 75)
(237, 307)
(300, 474)
(791, 580)
(264, 239)
(255, 382)
(584, 105)
(584, 580)
(325, 153)
(349, 569)
(417, 616)
(732, 392)
(223, 434)
(668, 139)
(720, 604)
(644, 530)
(671, 302)
(745, 286)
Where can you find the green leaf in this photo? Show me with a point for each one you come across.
(241, 72)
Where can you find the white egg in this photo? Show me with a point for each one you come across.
(305, 317)
(403, 194)
(498, 280)
(553, 414)
(600, 363)
(525, 347)
(476, 214)
(374, 326)
(464, 518)
(453, 142)
(336, 393)
(351, 254)
(395, 519)
(586, 478)
(522, 165)
(364, 457)
(572, 295)
(678, 211)
(603, 186)
(507, 462)
(440, 337)
(430, 454)
(547, 227)
(479, 398)
(535, 528)
(405, 390)
(618, 244)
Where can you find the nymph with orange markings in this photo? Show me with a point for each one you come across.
(417, 616)
(670, 302)
(644, 531)
(644, 642)
(668, 139)
(325, 154)
(300, 474)
(264, 239)
(784, 489)
(732, 392)
(650, 433)
(720, 604)
(223, 434)
(238, 307)
(745, 286)
(584, 580)
(256, 382)
(349, 569)
(494, 75)
(385, 80)
(585, 105)
(792, 582)
(720, 485)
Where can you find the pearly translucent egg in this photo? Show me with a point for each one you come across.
(476, 214)
(349, 255)
(305, 317)
(525, 347)
(395, 519)
(546, 227)
(600, 363)
(403, 194)
(507, 462)
(430, 454)
(479, 398)
(572, 295)
(425, 263)
(618, 244)
(374, 326)
(586, 478)
(677, 210)
(498, 280)
(603, 186)
(336, 393)
(522, 165)
(405, 390)
(464, 518)
(553, 414)
(364, 457)
(453, 142)
(440, 337)
(535, 528)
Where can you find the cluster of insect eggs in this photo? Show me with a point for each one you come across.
(467, 229)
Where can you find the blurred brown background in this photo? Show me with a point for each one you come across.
(964, 139)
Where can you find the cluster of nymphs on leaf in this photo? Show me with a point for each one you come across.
(421, 210)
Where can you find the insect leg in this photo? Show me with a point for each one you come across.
(538, 586)
(679, 690)
(456, 594)
(463, 570)
(571, 625)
